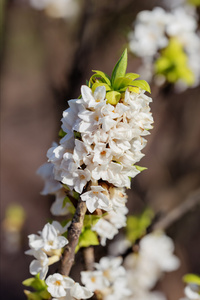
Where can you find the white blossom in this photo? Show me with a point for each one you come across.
(49, 239)
(40, 264)
(95, 198)
(57, 284)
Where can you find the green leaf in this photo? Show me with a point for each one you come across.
(45, 295)
(142, 84)
(35, 282)
(113, 97)
(61, 134)
(173, 64)
(87, 238)
(29, 281)
(139, 168)
(70, 207)
(132, 76)
(66, 187)
(122, 82)
(76, 195)
(137, 225)
(77, 135)
(120, 67)
(91, 220)
(104, 77)
(32, 295)
(192, 278)
(194, 2)
(96, 84)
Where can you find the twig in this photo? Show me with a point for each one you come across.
(88, 255)
(74, 232)
(179, 211)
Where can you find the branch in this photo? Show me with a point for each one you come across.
(74, 232)
(88, 255)
(179, 211)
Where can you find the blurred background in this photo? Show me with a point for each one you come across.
(47, 53)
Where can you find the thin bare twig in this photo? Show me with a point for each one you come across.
(179, 211)
(74, 232)
(88, 255)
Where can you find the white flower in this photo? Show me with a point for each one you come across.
(157, 245)
(51, 185)
(96, 198)
(78, 292)
(119, 290)
(91, 100)
(94, 280)
(105, 230)
(40, 264)
(57, 284)
(102, 155)
(192, 292)
(57, 208)
(111, 267)
(48, 240)
(118, 197)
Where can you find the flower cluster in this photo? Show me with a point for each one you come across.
(64, 288)
(168, 44)
(146, 266)
(109, 279)
(108, 144)
(46, 247)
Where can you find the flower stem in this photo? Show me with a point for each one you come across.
(74, 232)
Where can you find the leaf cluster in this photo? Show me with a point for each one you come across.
(117, 84)
(173, 64)
(88, 237)
(137, 225)
(39, 286)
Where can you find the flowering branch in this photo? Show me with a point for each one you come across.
(74, 232)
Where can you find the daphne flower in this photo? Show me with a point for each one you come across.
(91, 100)
(105, 230)
(40, 264)
(94, 280)
(57, 284)
(78, 292)
(96, 198)
(48, 240)
(51, 185)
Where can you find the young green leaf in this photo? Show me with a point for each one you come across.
(32, 295)
(192, 278)
(139, 168)
(102, 75)
(142, 84)
(122, 82)
(91, 220)
(113, 97)
(96, 84)
(35, 282)
(137, 225)
(120, 67)
(132, 76)
(87, 238)
(70, 207)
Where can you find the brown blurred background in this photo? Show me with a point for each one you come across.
(43, 63)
